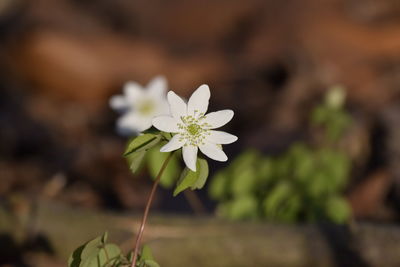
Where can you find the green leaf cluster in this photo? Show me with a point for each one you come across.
(144, 150)
(138, 146)
(305, 183)
(193, 180)
(98, 253)
(300, 185)
(146, 258)
(154, 162)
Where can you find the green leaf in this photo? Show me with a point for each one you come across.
(135, 160)
(290, 208)
(142, 143)
(129, 256)
(337, 167)
(83, 252)
(338, 209)
(243, 207)
(95, 253)
(92, 247)
(265, 171)
(246, 160)
(218, 189)
(146, 258)
(75, 258)
(109, 255)
(244, 182)
(100, 256)
(273, 201)
(146, 253)
(319, 115)
(203, 170)
(166, 136)
(304, 168)
(194, 180)
(104, 237)
(298, 151)
(186, 180)
(337, 124)
(155, 160)
(153, 131)
(283, 166)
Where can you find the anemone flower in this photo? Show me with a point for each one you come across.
(139, 105)
(193, 129)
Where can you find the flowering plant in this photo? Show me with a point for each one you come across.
(186, 126)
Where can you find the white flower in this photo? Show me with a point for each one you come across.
(140, 105)
(193, 128)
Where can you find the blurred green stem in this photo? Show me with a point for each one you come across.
(194, 202)
(147, 209)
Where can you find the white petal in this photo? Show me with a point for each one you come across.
(166, 124)
(213, 152)
(219, 137)
(132, 123)
(162, 108)
(144, 124)
(177, 106)
(175, 143)
(218, 118)
(118, 102)
(190, 156)
(157, 87)
(132, 91)
(198, 102)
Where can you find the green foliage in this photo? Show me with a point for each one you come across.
(142, 142)
(138, 146)
(193, 180)
(145, 150)
(135, 160)
(301, 185)
(155, 160)
(242, 207)
(97, 253)
(305, 183)
(337, 209)
(146, 258)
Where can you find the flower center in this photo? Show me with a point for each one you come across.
(193, 129)
(146, 107)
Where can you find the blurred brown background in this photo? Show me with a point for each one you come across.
(270, 61)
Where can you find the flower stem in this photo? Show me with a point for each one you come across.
(147, 209)
(194, 202)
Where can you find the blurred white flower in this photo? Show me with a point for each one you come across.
(336, 96)
(139, 105)
(193, 129)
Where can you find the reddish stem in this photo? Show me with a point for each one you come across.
(147, 209)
